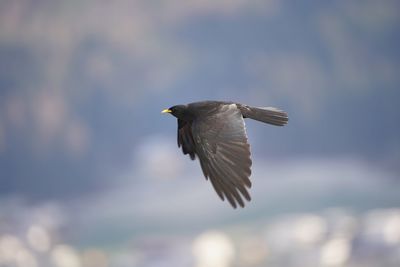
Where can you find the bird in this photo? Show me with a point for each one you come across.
(215, 133)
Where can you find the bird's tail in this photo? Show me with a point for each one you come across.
(269, 115)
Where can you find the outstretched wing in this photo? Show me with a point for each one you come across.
(221, 145)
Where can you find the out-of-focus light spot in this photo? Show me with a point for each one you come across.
(38, 238)
(383, 225)
(309, 229)
(391, 229)
(125, 258)
(65, 256)
(213, 249)
(9, 245)
(94, 258)
(341, 223)
(25, 258)
(253, 252)
(335, 252)
(50, 215)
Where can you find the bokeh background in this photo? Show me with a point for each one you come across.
(90, 174)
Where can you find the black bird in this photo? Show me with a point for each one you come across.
(215, 132)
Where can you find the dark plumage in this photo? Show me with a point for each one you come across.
(215, 132)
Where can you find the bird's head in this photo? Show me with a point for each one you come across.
(179, 111)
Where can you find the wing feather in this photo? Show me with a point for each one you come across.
(221, 145)
(185, 139)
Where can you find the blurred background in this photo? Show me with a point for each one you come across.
(90, 174)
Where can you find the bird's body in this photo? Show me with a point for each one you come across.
(215, 132)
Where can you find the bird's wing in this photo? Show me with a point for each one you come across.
(185, 138)
(224, 153)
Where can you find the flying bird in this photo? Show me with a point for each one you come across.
(215, 133)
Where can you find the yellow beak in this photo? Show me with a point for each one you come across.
(166, 111)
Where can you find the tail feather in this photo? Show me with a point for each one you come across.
(269, 115)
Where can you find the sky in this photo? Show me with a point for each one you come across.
(80, 93)
(82, 84)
